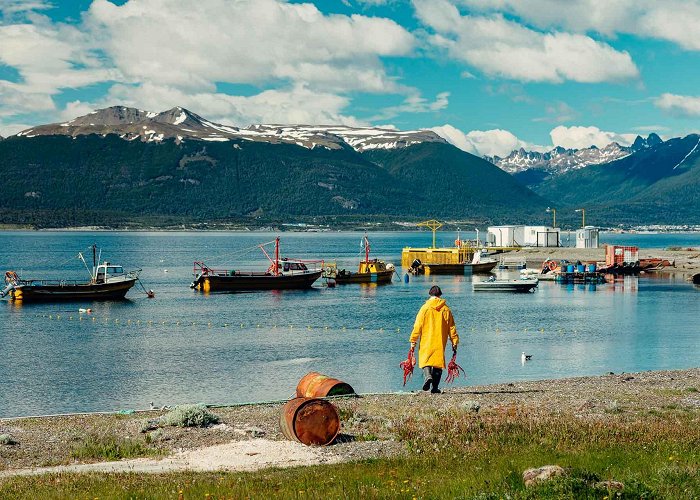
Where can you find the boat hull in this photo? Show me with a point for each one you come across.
(457, 269)
(75, 292)
(253, 282)
(506, 286)
(380, 278)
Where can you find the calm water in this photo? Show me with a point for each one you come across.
(228, 348)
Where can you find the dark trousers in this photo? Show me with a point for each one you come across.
(432, 375)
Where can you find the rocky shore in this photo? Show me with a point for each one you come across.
(248, 437)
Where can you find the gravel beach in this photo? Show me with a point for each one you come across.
(248, 437)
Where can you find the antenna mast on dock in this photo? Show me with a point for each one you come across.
(432, 224)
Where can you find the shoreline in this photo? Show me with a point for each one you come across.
(369, 423)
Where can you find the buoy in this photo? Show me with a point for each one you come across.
(405, 278)
(525, 357)
(150, 294)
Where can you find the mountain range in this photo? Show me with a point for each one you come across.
(533, 167)
(123, 164)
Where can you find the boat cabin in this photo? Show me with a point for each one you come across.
(292, 267)
(106, 271)
(371, 266)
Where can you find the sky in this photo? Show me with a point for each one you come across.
(490, 76)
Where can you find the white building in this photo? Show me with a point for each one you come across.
(587, 237)
(541, 236)
(505, 236)
(523, 236)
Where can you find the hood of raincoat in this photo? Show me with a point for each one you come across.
(436, 303)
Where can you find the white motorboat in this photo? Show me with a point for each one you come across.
(495, 285)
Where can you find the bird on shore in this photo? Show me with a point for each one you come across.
(525, 357)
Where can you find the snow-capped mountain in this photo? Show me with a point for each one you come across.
(180, 124)
(560, 160)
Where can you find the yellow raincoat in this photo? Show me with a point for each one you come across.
(434, 323)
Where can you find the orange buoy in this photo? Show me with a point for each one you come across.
(310, 421)
(316, 385)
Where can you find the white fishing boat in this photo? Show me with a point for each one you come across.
(492, 284)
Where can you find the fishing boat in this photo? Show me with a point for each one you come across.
(107, 282)
(695, 279)
(368, 271)
(499, 285)
(283, 274)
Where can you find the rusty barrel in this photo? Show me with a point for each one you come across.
(317, 385)
(310, 421)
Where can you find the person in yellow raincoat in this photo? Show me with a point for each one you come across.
(434, 324)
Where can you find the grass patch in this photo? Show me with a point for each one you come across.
(109, 448)
(450, 455)
(189, 416)
(691, 389)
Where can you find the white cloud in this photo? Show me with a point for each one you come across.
(494, 142)
(672, 20)
(298, 105)
(259, 41)
(503, 48)
(583, 137)
(683, 105)
(414, 104)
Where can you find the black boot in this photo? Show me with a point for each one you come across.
(437, 375)
(428, 376)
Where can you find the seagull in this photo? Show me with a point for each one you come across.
(153, 407)
(525, 357)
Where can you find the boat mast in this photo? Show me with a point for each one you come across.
(94, 261)
(366, 249)
(277, 256)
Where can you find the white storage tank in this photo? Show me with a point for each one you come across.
(587, 237)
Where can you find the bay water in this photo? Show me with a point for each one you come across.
(184, 346)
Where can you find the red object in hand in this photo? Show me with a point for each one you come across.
(453, 370)
(408, 365)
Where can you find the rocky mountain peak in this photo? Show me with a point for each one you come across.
(114, 115)
(180, 124)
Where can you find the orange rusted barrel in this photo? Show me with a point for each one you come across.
(316, 385)
(310, 421)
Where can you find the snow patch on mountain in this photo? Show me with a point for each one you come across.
(181, 124)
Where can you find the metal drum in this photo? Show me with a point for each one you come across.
(310, 421)
(317, 385)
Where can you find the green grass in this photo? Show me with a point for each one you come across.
(450, 455)
(109, 448)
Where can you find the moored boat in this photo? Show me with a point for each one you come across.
(283, 274)
(107, 282)
(492, 284)
(368, 271)
(476, 266)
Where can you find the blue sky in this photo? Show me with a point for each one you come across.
(490, 76)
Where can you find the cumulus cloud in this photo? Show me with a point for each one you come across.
(682, 105)
(672, 20)
(298, 105)
(583, 137)
(156, 54)
(496, 142)
(503, 48)
(257, 41)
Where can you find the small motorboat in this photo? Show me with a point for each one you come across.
(107, 282)
(499, 285)
(283, 274)
(368, 271)
(695, 279)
